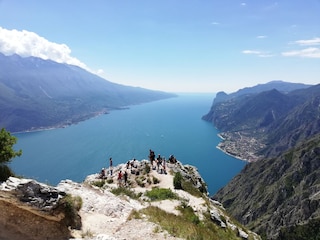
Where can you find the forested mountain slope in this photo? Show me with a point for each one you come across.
(37, 93)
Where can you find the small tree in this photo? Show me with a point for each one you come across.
(7, 153)
(177, 180)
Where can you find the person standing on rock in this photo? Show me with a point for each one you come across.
(159, 160)
(120, 178)
(110, 166)
(151, 157)
(125, 177)
(164, 166)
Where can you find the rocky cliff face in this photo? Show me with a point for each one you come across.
(267, 122)
(147, 206)
(277, 193)
(30, 210)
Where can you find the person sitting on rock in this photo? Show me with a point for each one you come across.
(102, 173)
(172, 159)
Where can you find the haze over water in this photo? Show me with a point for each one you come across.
(171, 126)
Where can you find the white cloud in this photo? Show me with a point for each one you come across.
(25, 44)
(309, 42)
(251, 52)
(215, 23)
(261, 36)
(243, 4)
(307, 53)
(258, 53)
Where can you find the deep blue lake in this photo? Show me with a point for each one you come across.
(171, 126)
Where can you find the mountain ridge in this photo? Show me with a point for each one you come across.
(261, 116)
(37, 93)
(279, 134)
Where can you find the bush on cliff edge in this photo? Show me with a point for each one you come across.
(177, 180)
(7, 153)
(70, 206)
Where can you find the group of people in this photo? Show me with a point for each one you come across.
(103, 173)
(122, 178)
(160, 161)
(157, 163)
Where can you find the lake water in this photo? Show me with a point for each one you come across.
(171, 126)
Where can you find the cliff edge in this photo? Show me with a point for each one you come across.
(145, 205)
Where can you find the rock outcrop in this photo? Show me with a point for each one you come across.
(106, 216)
(30, 210)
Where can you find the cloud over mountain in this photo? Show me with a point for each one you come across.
(25, 44)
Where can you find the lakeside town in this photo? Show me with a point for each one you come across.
(239, 145)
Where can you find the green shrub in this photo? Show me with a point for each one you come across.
(134, 214)
(5, 172)
(147, 168)
(7, 153)
(71, 205)
(187, 225)
(189, 187)
(188, 213)
(109, 181)
(125, 191)
(177, 181)
(140, 181)
(99, 184)
(157, 194)
(155, 180)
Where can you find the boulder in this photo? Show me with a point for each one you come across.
(34, 193)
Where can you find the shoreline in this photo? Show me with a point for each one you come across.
(224, 151)
(65, 125)
(234, 156)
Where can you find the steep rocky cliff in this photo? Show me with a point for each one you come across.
(267, 122)
(146, 206)
(277, 193)
(35, 211)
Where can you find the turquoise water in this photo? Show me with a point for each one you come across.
(171, 126)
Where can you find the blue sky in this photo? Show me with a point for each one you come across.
(171, 45)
